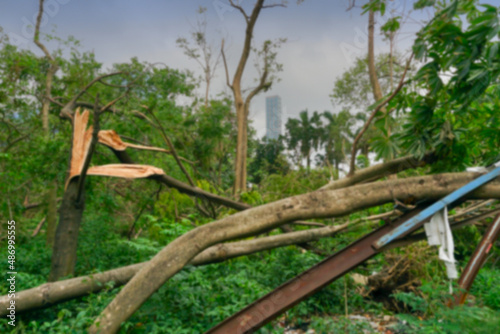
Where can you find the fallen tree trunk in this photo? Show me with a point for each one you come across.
(56, 292)
(318, 204)
(378, 171)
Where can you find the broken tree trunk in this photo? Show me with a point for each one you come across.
(73, 203)
(319, 204)
(65, 243)
(56, 292)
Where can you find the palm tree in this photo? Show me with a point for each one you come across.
(304, 133)
(336, 136)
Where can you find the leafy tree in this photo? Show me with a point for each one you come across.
(459, 44)
(268, 159)
(336, 136)
(353, 91)
(304, 134)
(210, 142)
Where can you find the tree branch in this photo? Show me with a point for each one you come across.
(242, 11)
(171, 146)
(36, 37)
(372, 116)
(375, 172)
(50, 73)
(262, 82)
(68, 107)
(225, 64)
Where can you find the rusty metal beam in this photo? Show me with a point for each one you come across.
(477, 260)
(458, 194)
(297, 289)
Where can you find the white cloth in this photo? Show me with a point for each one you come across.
(439, 234)
(477, 169)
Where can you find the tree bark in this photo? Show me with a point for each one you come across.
(378, 171)
(51, 214)
(372, 71)
(319, 204)
(241, 144)
(53, 293)
(70, 218)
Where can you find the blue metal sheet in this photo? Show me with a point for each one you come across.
(439, 205)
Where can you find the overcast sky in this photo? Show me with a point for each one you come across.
(323, 38)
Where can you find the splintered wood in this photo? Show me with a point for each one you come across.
(82, 138)
(81, 142)
(112, 139)
(125, 171)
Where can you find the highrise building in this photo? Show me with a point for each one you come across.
(273, 117)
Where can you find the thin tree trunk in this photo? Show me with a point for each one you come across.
(239, 169)
(372, 71)
(241, 106)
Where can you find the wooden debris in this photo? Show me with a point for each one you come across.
(112, 139)
(81, 142)
(38, 227)
(82, 138)
(125, 171)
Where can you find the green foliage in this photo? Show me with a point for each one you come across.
(461, 319)
(171, 203)
(269, 159)
(486, 288)
(459, 43)
(295, 182)
(304, 135)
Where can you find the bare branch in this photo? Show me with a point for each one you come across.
(238, 7)
(171, 146)
(112, 85)
(225, 64)
(50, 72)
(38, 227)
(112, 102)
(36, 38)
(274, 5)
(67, 109)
